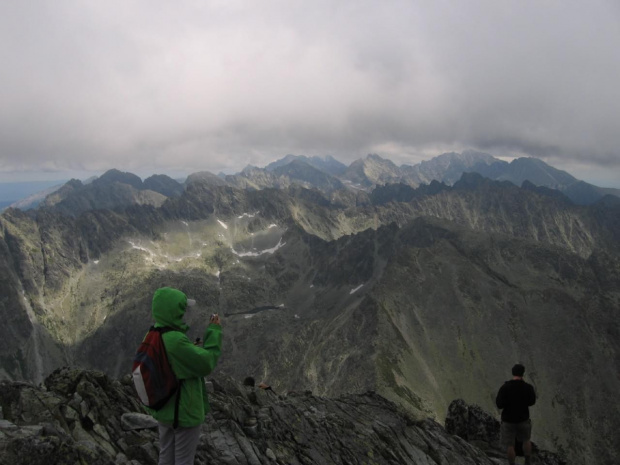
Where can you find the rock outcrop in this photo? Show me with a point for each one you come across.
(472, 423)
(84, 417)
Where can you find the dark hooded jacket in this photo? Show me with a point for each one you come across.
(190, 363)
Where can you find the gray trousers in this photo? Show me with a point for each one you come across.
(177, 446)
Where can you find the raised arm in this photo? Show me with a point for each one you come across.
(190, 361)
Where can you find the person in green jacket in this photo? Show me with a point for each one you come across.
(190, 364)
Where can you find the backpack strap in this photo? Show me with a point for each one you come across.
(175, 424)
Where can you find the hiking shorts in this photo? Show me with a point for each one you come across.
(511, 431)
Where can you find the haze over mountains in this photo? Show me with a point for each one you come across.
(423, 283)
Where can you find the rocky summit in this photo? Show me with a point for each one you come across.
(85, 417)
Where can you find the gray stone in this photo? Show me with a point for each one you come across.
(121, 459)
(270, 455)
(84, 408)
(5, 424)
(137, 421)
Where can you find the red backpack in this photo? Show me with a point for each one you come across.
(153, 377)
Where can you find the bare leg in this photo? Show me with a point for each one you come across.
(527, 451)
(511, 454)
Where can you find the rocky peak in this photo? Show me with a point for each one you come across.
(538, 172)
(372, 170)
(60, 194)
(306, 174)
(283, 162)
(113, 190)
(163, 184)
(114, 175)
(473, 424)
(205, 177)
(327, 164)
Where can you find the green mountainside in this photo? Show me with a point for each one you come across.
(422, 295)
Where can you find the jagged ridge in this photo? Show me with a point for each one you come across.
(86, 417)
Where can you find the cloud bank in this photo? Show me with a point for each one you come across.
(194, 85)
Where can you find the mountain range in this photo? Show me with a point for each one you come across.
(339, 280)
(326, 174)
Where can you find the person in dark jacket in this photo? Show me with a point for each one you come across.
(514, 399)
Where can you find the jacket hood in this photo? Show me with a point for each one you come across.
(169, 308)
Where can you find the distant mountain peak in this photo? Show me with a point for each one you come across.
(327, 164)
(114, 175)
(206, 177)
(249, 168)
(537, 172)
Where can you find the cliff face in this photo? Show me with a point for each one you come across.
(86, 417)
(473, 302)
(423, 300)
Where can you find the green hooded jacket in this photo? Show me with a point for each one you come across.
(189, 362)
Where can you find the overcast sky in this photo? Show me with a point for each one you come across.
(160, 87)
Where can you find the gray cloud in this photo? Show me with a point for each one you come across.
(155, 86)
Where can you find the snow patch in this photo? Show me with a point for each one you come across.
(139, 247)
(273, 226)
(96, 262)
(354, 186)
(194, 255)
(356, 289)
(143, 249)
(222, 224)
(248, 316)
(279, 245)
(297, 316)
